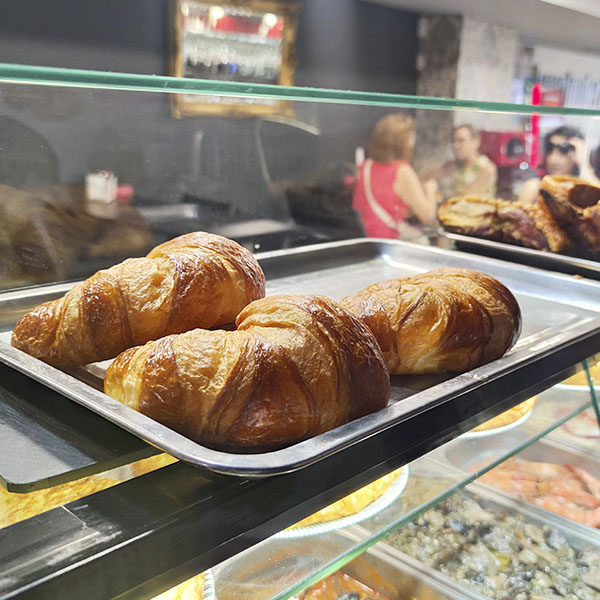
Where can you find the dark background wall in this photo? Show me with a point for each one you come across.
(346, 44)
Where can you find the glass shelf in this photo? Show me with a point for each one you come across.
(11, 73)
(279, 568)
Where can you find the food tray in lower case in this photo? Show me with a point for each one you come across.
(561, 326)
(559, 546)
(526, 256)
(468, 455)
(264, 576)
(376, 506)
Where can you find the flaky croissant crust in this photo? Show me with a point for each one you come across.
(295, 367)
(195, 280)
(444, 320)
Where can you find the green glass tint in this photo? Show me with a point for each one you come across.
(153, 83)
(280, 568)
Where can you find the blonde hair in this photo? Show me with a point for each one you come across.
(392, 138)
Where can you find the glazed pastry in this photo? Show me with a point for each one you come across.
(195, 280)
(443, 320)
(575, 205)
(295, 367)
(511, 222)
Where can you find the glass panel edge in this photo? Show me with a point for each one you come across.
(28, 74)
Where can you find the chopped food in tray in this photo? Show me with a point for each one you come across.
(500, 554)
(340, 586)
(584, 426)
(567, 490)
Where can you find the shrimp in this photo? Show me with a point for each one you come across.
(566, 508)
(542, 470)
(506, 480)
(589, 481)
(579, 497)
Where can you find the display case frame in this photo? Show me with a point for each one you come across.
(151, 532)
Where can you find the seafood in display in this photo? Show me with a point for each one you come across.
(500, 554)
(566, 490)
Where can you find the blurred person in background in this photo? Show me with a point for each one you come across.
(388, 193)
(563, 151)
(470, 172)
(593, 172)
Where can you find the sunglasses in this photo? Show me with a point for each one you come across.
(564, 148)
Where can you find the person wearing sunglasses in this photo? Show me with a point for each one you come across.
(563, 148)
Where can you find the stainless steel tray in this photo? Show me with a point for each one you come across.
(254, 575)
(561, 325)
(577, 537)
(463, 454)
(527, 256)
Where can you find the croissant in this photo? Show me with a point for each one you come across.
(443, 320)
(195, 280)
(295, 367)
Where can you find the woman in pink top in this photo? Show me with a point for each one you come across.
(388, 190)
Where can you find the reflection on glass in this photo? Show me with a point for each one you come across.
(250, 42)
(231, 43)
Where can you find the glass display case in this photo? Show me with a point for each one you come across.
(101, 501)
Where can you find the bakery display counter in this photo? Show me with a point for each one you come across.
(105, 531)
(100, 500)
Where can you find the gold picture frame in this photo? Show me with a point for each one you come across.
(195, 31)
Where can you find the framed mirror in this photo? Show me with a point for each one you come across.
(236, 40)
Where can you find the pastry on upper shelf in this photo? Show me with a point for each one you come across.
(195, 280)
(295, 367)
(575, 205)
(496, 219)
(443, 320)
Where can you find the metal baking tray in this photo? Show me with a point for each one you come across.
(578, 538)
(561, 326)
(526, 256)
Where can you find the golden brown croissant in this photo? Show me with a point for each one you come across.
(295, 367)
(443, 320)
(195, 280)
